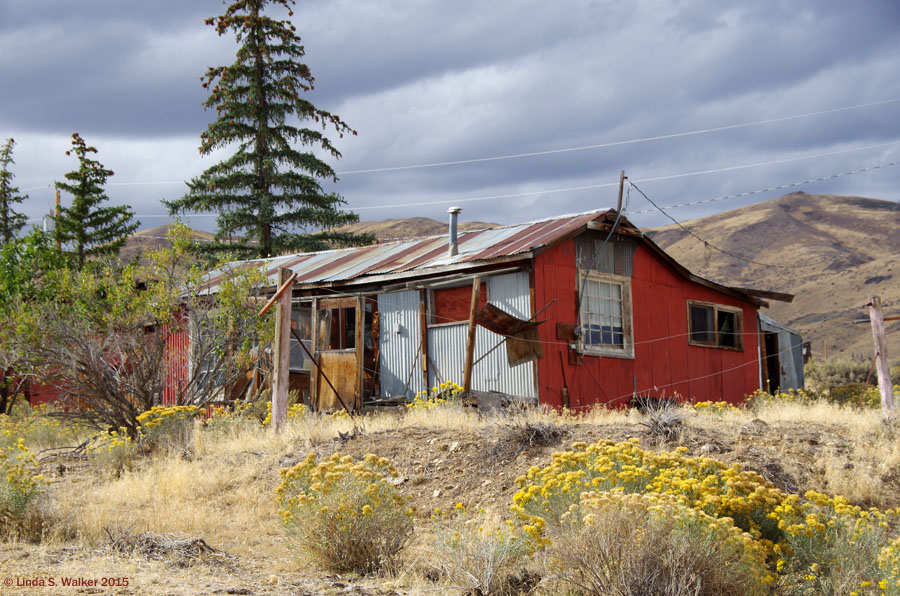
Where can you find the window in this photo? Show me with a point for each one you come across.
(714, 325)
(606, 314)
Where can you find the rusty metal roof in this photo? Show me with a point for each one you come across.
(418, 256)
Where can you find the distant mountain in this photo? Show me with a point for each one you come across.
(154, 238)
(832, 252)
(411, 227)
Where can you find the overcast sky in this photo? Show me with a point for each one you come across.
(427, 82)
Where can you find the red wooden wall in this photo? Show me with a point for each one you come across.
(664, 364)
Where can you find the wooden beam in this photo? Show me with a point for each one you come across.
(881, 358)
(282, 355)
(470, 342)
(314, 367)
(281, 288)
(359, 341)
(423, 331)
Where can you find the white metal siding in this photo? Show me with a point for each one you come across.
(400, 344)
(447, 344)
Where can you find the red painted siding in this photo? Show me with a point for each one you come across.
(178, 349)
(664, 364)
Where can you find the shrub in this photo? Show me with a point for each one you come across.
(822, 375)
(447, 393)
(474, 554)
(719, 490)
(345, 516)
(830, 546)
(113, 449)
(716, 407)
(23, 491)
(616, 543)
(169, 427)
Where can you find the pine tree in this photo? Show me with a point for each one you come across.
(10, 221)
(267, 191)
(86, 228)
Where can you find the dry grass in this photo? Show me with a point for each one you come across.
(223, 491)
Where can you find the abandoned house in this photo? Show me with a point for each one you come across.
(568, 311)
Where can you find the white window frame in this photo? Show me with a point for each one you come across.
(627, 348)
(738, 319)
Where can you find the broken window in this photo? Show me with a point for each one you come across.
(606, 314)
(714, 325)
(301, 324)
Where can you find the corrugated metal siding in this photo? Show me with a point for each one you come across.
(790, 352)
(400, 364)
(177, 359)
(447, 344)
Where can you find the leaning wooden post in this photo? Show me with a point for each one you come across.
(470, 343)
(282, 355)
(881, 359)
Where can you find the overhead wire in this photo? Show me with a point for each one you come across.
(617, 143)
(709, 244)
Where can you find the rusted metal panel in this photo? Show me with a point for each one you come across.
(415, 255)
(400, 344)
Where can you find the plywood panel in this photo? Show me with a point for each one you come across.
(341, 367)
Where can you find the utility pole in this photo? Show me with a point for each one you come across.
(470, 341)
(282, 355)
(622, 178)
(58, 242)
(881, 359)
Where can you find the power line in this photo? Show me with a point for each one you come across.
(604, 185)
(772, 188)
(709, 244)
(616, 143)
(611, 184)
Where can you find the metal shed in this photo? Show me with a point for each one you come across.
(781, 359)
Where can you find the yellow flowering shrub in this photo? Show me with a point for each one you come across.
(477, 553)
(170, 427)
(447, 393)
(21, 489)
(712, 487)
(294, 412)
(345, 515)
(889, 565)
(831, 546)
(113, 449)
(618, 543)
(715, 407)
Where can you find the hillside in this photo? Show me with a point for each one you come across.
(411, 227)
(832, 252)
(153, 238)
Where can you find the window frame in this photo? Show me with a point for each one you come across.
(627, 349)
(739, 325)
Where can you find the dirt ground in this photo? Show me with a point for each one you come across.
(437, 468)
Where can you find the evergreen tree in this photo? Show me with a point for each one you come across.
(267, 191)
(86, 228)
(10, 221)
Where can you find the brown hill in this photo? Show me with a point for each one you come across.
(152, 238)
(411, 227)
(832, 252)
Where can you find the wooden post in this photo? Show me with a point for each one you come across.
(881, 359)
(470, 342)
(359, 339)
(282, 355)
(56, 222)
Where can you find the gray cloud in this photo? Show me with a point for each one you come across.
(437, 81)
